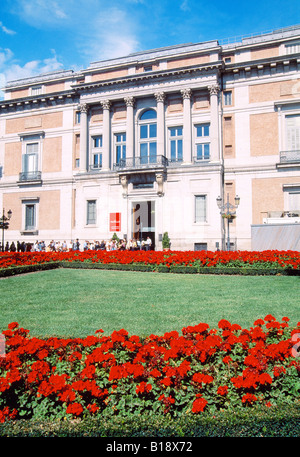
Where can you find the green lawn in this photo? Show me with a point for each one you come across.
(68, 302)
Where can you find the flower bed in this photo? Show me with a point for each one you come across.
(233, 262)
(202, 369)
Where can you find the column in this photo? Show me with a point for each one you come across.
(280, 129)
(129, 126)
(106, 135)
(214, 122)
(187, 126)
(160, 100)
(83, 136)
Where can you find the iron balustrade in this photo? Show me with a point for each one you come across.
(152, 162)
(30, 176)
(290, 156)
(141, 162)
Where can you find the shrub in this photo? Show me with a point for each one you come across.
(201, 262)
(219, 262)
(201, 370)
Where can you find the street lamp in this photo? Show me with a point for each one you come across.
(4, 224)
(228, 212)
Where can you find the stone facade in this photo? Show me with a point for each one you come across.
(155, 138)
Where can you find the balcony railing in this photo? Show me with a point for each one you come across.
(277, 214)
(30, 176)
(290, 156)
(141, 163)
(282, 217)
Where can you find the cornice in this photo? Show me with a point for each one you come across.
(44, 77)
(257, 168)
(153, 75)
(286, 102)
(44, 100)
(271, 62)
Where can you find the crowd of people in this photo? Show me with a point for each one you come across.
(112, 244)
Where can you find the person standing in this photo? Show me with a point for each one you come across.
(148, 243)
(77, 245)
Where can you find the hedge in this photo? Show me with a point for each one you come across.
(259, 422)
(175, 269)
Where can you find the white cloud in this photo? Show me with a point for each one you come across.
(96, 29)
(11, 70)
(6, 30)
(40, 12)
(110, 35)
(5, 56)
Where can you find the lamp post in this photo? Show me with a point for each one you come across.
(227, 211)
(4, 224)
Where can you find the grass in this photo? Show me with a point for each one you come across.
(76, 303)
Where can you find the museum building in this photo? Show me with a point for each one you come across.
(193, 140)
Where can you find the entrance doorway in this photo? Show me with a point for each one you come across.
(143, 221)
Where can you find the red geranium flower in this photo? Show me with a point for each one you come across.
(269, 318)
(143, 388)
(199, 405)
(74, 408)
(222, 390)
(224, 324)
(249, 398)
(93, 408)
(265, 378)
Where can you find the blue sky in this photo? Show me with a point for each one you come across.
(38, 36)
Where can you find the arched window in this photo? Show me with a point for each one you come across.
(147, 136)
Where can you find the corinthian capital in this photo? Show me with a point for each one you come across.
(214, 89)
(160, 97)
(105, 104)
(186, 93)
(83, 107)
(129, 101)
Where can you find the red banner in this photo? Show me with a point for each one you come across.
(115, 222)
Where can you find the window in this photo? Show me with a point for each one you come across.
(146, 185)
(97, 141)
(77, 117)
(120, 147)
(36, 90)
(148, 133)
(200, 208)
(91, 212)
(294, 201)
(202, 142)
(30, 216)
(147, 67)
(292, 48)
(96, 152)
(227, 97)
(200, 246)
(175, 137)
(293, 132)
(30, 160)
